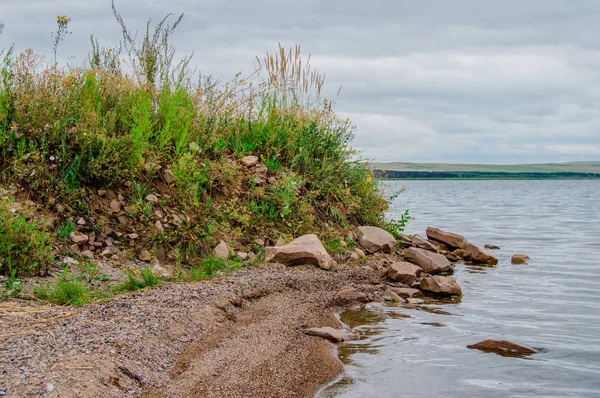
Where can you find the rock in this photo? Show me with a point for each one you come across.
(459, 253)
(152, 198)
(133, 236)
(259, 241)
(354, 257)
(351, 294)
(491, 247)
(406, 241)
(78, 237)
(443, 285)
(221, 251)
(519, 258)
(272, 180)
(503, 348)
(115, 205)
(449, 238)
(242, 256)
(157, 269)
(70, 261)
(280, 242)
(49, 387)
(124, 220)
(351, 236)
(168, 177)
(88, 253)
(159, 225)
(452, 257)
(438, 245)
(144, 255)
(432, 263)
(389, 295)
(422, 243)
(374, 239)
(251, 256)
(331, 334)
(306, 249)
(405, 292)
(412, 300)
(260, 175)
(403, 272)
(249, 161)
(81, 221)
(161, 254)
(360, 253)
(101, 192)
(477, 255)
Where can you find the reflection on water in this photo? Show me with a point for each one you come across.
(552, 302)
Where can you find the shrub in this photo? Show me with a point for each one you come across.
(25, 249)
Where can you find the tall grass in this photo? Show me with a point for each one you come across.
(66, 129)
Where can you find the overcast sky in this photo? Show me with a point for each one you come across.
(463, 81)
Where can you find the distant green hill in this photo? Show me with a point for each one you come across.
(589, 169)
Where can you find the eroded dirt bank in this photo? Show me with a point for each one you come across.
(237, 336)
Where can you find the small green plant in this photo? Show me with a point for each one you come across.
(64, 293)
(148, 278)
(396, 227)
(211, 266)
(335, 246)
(62, 22)
(274, 166)
(12, 286)
(65, 229)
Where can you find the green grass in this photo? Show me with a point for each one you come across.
(210, 267)
(65, 293)
(133, 283)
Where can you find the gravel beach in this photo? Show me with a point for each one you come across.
(234, 336)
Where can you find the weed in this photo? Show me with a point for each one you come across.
(211, 266)
(396, 227)
(133, 283)
(65, 229)
(64, 293)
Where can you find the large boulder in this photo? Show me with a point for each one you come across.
(404, 272)
(503, 347)
(331, 334)
(374, 239)
(306, 249)
(422, 243)
(442, 285)
(476, 254)
(450, 239)
(432, 263)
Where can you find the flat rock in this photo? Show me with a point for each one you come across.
(221, 251)
(115, 205)
(144, 255)
(432, 263)
(519, 258)
(404, 272)
(351, 294)
(406, 292)
(249, 161)
(79, 238)
(374, 239)
(443, 285)
(152, 198)
(243, 256)
(306, 249)
(389, 295)
(168, 176)
(478, 255)
(503, 348)
(451, 257)
(422, 243)
(331, 334)
(451, 239)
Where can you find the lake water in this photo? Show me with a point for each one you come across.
(551, 304)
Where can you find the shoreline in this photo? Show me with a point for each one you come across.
(189, 339)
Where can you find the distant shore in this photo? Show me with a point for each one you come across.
(460, 175)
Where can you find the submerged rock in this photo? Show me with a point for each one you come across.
(374, 239)
(403, 272)
(491, 247)
(331, 334)
(503, 348)
(519, 258)
(432, 263)
(443, 285)
(451, 239)
(406, 292)
(306, 249)
(477, 255)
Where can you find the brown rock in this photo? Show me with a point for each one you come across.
(404, 272)
(133, 235)
(115, 205)
(351, 294)
(422, 243)
(360, 253)
(249, 161)
(451, 257)
(449, 238)
(374, 239)
(491, 247)
(503, 348)
(152, 198)
(443, 285)
(79, 238)
(221, 251)
(144, 255)
(88, 253)
(432, 263)
(124, 220)
(389, 295)
(101, 192)
(519, 258)
(168, 177)
(306, 249)
(243, 256)
(354, 257)
(477, 255)
(331, 334)
(81, 221)
(459, 253)
(159, 225)
(161, 254)
(405, 292)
